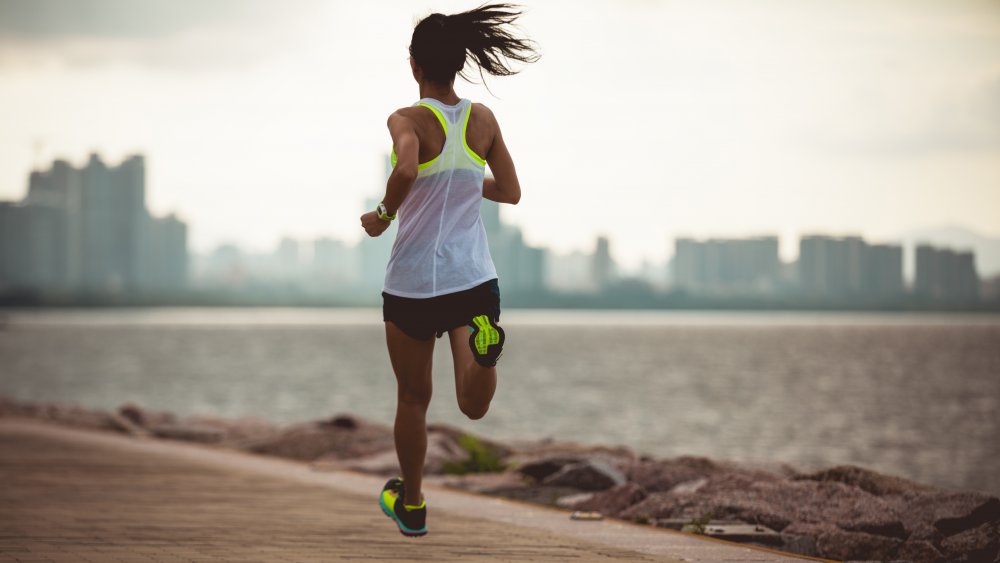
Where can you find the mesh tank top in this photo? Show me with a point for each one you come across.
(440, 244)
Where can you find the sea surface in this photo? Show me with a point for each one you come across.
(916, 395)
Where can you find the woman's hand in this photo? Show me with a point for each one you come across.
(373, 225)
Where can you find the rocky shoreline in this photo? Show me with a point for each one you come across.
(844, 513)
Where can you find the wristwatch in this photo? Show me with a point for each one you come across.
(383, 214)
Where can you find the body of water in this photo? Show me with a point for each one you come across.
(912, 395)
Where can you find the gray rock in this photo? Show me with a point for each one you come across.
(145, 417)
(843, 545)
(934, 515)
(918, 551)
(540, 459)
(126, 425)
(236, 432)
(867, 480)
(588, 475)
(981, 543)
(804, 544)
(540, 469)
(133, 413)
(656, 476)
(188, 432)
(614, 501)
(776, 504)
(498, 449)
(316, 440)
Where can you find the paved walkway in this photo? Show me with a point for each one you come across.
(77, 495)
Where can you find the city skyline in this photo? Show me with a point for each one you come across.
(86, 234)
(837, 117)
(909, 240)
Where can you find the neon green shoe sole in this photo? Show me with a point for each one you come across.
(486, 340)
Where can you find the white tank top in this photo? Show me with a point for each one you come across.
(441, 245)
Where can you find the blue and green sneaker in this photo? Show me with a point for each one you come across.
(412, 520)
(486, 340)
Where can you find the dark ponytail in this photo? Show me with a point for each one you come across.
(441, 44)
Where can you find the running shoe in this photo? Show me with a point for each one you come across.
(412, 521)
(486, 340)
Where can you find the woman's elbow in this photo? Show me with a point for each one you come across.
(405, 173)
(514, 198)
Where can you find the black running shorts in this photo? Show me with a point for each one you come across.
(423, 318)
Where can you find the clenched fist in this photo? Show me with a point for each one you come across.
(373, 225)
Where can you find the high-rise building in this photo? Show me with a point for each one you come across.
(848, 267)
(603, 266)
(165, 269)
(946, 275)
(88, 229)
(520, 267)
(726, 266)
(883, 271)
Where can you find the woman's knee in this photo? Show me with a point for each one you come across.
(416, 395)
(474, 412)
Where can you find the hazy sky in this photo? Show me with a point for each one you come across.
(644, 120)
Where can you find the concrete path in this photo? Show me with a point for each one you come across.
(80, 495)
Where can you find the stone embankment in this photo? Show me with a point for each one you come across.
(844, 513)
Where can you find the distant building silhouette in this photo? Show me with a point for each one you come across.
(88, 229)
(166, 266)
(946, 275)
(602, 267)
(727, 266)
(520, 267)
(842, 267)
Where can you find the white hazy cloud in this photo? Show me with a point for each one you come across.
(642, 121)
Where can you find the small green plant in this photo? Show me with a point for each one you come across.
(697, 525)
(481, 458)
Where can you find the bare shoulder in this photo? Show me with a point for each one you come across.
(483, 112)
(401, 117)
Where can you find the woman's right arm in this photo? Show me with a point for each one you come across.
(503, 187)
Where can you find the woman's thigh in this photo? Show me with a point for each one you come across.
(411, 362)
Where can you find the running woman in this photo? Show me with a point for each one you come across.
(440, 278)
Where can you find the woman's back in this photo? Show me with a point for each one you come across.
(441, 244)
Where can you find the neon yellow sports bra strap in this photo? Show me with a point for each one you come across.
(437, 113)
(465, 125)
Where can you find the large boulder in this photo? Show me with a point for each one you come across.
(496, 449)
(664, 475)
(934, 515)
(776, 504)
(981, 543)
(146, 418)
(540, 459)
(325, 439)
(843, 545)
(540, 469)
(866, 480)
(918, 551)
(614, 501)
(588, 475)
(236, 432)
